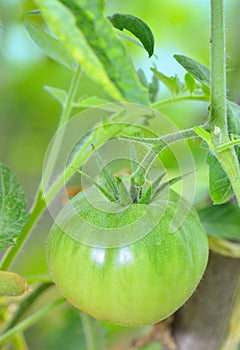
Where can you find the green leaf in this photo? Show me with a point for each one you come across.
(137, 27)
(142, 77)
(91, 39)
(88, 101)
(63, 23)
(221, 220)
(171, 83)
(50, 46)
(13, 211)
(153, 88)
(190, 83)
(233, 116)
(59, 94)
(220, 188)
(200, 72)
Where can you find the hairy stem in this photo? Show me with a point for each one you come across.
(218, 115)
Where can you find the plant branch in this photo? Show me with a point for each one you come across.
(29, 321)
(39, 203)
(92, 331)
(218, 115)
(180, 99)
(232, 338)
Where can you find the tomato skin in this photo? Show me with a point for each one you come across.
(133, 285)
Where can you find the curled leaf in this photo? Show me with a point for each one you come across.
(137, 27)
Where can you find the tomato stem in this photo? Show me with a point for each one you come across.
(30, 320)
(218, 116)
(92, 332)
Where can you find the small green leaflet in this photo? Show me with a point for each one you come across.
(233, 116)
(200, 72)
(190, 83)
(13, 210)
(50, 46)
(220, 188)
(222, 220)
(171, 83)
(137, 27)
(59, 94)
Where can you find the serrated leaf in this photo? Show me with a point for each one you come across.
(200, 72)
(137, 27)
(222, 220)
(59, 94)
(105, 56)
(190, 82)
(220, 188)
(63, 23)
(171, 83)
(13, 210)
(50, 46)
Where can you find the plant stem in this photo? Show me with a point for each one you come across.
(29, 321)
(180, 99)
(158, 144)
(37, 209)
(93, 338)
(218, 115)
(20, 342)
(67, 109)
(39, 203)
(232, 338)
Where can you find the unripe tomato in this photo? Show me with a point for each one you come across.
(135, 284)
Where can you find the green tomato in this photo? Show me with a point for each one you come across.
(134, 284)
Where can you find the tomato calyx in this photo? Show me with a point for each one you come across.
(123, 189)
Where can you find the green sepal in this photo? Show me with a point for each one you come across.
(125, 197)
(148, 195)
(168, 184)
(109, 179)
(99, 187)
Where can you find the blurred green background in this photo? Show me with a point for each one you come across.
(29, 116)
